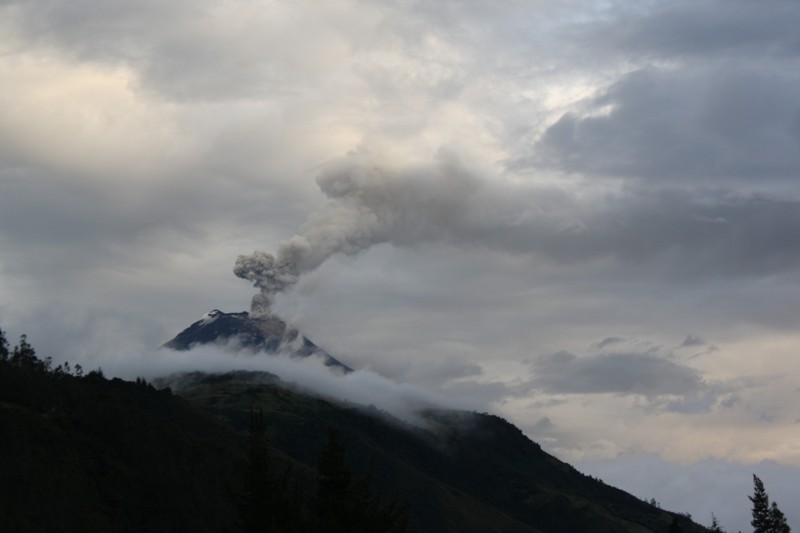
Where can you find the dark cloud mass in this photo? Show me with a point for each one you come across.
(685, 127)
(701, 28)
(619, 373)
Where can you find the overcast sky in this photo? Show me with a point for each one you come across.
(583, 215)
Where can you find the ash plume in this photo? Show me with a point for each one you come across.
(368, 204)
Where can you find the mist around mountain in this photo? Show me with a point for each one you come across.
(87, 453)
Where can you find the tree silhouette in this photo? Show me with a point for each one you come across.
(268, 503)
(344, 505)
(766, 518)
(256, 506)
(674, 527)
(715, 527)
(24, 356)
(333, 506)
(3, 346)
(778, 520)
(760, 500)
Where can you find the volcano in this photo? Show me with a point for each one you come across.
(268, 334)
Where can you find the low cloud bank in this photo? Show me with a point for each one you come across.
(362, 387)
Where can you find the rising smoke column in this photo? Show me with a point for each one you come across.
(369, 203)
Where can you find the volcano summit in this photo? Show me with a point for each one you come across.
(263, 334)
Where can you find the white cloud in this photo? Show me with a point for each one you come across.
(361, 387)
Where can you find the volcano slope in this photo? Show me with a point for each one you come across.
(458, 470)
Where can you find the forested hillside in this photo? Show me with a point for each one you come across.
(237, 451)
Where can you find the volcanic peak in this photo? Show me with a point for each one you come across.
(268, 334)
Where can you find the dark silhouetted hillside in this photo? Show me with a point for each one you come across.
(459, 471)
(83, 453)
(89, 454)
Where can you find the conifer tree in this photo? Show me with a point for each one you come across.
(3, 346)
(715, 527)
(24, 356)
(256, 506)
(761, 511)
(344, 505)
(767, 518)
(778, 520)
(674, 527)
(333, 510)
(268, 502)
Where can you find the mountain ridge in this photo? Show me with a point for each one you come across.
(459, 470)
